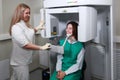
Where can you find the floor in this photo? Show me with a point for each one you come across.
(95, 79)
(36, 75)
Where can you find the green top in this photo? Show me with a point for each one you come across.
(71, 52)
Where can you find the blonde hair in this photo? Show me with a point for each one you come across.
(17, 16)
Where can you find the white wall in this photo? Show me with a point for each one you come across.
(116, 26)
(116, 4)
(1, 16)
(11, 5)
(35, 7)
(7, 12)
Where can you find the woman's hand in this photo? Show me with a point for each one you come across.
(40, 26)
(61, 75)
(46, 46)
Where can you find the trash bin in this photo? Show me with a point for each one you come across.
(46, 74)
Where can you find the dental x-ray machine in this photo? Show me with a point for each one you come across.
(95, 28)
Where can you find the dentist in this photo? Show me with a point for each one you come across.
(23, 34)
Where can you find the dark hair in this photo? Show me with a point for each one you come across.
(74, 26)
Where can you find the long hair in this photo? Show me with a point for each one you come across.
(75, 30)
(18, 14)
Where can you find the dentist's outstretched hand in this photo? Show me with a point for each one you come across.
(46, 46)
(40, 26)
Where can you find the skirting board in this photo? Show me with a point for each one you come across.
(4, 37)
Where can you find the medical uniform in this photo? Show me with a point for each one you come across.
(21, 57)
(71, 61)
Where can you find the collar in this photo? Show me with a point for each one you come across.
(72, 42)
(23, 23)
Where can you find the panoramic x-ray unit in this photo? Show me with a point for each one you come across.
(95, 30)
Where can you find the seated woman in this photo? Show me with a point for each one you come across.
(69, 64)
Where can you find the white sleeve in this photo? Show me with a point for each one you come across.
(78, 64)
(59, 62)
(18, 36)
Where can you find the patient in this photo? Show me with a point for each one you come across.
(69, 64)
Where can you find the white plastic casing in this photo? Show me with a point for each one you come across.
(64, 3)
(87, 29)
(87, 21)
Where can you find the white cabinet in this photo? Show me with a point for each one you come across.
(63, 3)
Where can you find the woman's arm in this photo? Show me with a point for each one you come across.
(32, 46)
(59, 62)
(36, 47)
